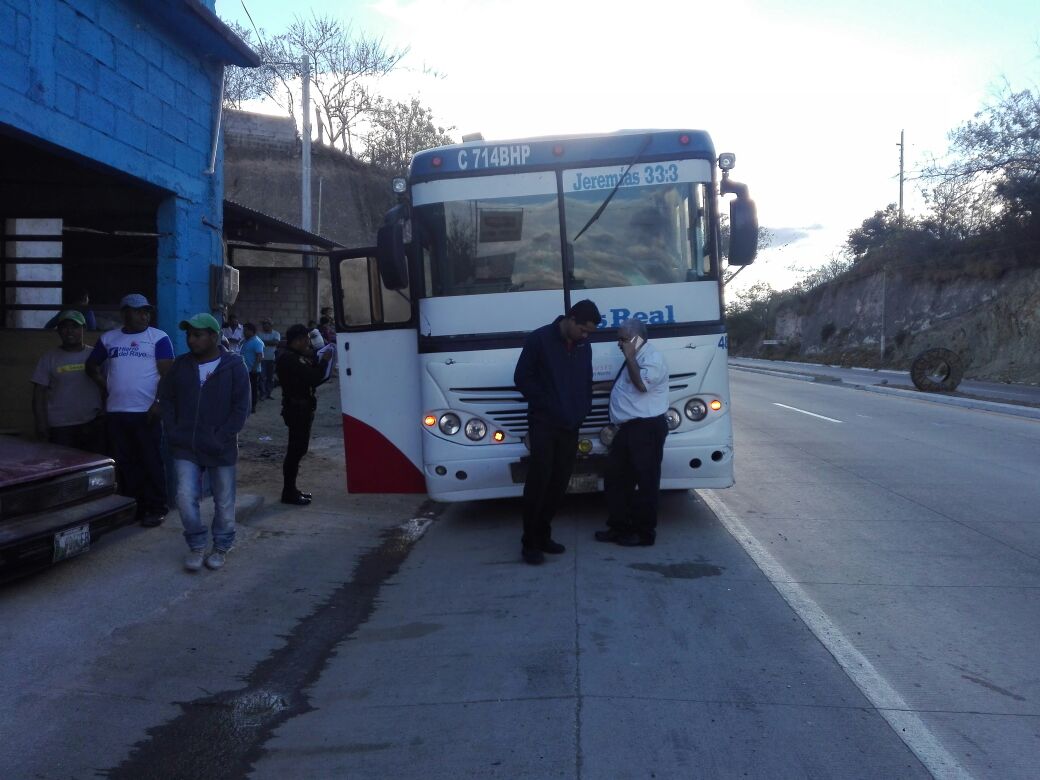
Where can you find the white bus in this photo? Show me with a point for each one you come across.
(492, 240)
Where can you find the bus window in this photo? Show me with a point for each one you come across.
(365, 300)
(478, 237)
(646, 235)
(357, 299)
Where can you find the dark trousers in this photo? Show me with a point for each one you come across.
(298, 420)
(89, 436)
(553, 452)
(254, 379)
(632, 480)
(137, 448)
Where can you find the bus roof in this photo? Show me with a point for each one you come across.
(552, 151)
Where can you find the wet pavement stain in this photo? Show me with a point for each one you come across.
(690, 570)
(994, 688)
(223, 735)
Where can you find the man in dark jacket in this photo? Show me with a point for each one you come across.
(205, 400)
(298, 374)
(554, 374)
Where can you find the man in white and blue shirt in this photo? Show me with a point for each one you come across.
(127, 364)
(638, 402)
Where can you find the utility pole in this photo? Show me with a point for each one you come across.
(901, 150)
(305, 189)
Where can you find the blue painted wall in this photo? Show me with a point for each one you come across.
(114, 82)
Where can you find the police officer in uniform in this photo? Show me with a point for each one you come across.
(298, 374)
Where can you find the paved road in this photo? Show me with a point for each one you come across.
(997, 391)
(865, 577)
(910, 530)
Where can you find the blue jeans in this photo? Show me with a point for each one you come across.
(266, 378)
(190, 488)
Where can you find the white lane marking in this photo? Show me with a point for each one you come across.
(811, 414)
(906, 723)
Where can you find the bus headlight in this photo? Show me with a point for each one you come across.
(696, 409)
(450, 423)
(607, 434)
(673, 419)
(475, 429)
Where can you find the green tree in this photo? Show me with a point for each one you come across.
(242, 84)
(398, 130)
(995, 158)
(874, 233)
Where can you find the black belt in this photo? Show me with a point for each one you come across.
(640, 419)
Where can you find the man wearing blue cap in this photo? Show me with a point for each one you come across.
(205, 401)
(127, 364)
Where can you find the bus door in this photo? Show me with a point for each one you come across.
(379, 377)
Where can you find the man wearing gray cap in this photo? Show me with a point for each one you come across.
(127, 364)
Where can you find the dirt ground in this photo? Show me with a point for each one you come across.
(263, 440)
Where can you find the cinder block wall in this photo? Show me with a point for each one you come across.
(286, 295)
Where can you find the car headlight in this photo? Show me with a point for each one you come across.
(696, 409)
(673, 419)
(450, 423)
(607, 434)
(100, 479)
(475, 429)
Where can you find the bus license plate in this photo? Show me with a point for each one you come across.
(71, 542)
(583, 483)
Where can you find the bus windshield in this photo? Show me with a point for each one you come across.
(646, 235)
(493, 234)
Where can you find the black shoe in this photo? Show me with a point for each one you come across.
(295, 499)
(532, 556)
(635, 540)
(308, 496)
(551, 547)
(610, 535)
(152, 519)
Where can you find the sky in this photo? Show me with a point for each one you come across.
(811, 96)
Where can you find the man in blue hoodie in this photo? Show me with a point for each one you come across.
(205, 400)
(554, 374)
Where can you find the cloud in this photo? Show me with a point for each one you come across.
(783, 236)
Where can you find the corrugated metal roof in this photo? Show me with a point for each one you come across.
(245, 224)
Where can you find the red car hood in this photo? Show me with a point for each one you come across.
(24, 461)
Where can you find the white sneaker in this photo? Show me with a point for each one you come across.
(216, 559)
(193, 560)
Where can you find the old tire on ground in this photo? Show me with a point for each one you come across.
(937, 370)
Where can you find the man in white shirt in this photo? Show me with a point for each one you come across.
(233, 332)
(638, 402)
(126, 364)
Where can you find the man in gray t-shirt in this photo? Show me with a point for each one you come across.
(66, 403)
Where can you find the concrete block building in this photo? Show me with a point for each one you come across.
(110, 160)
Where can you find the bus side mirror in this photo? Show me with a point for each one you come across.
(390, 256)
(743, 231)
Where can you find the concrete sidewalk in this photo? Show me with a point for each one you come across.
(984, 396)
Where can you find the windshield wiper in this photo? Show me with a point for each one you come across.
(613, 192)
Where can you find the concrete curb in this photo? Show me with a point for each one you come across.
(967, 403)
(1015, 410)
(784, 374)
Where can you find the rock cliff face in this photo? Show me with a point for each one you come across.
(993, 323)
